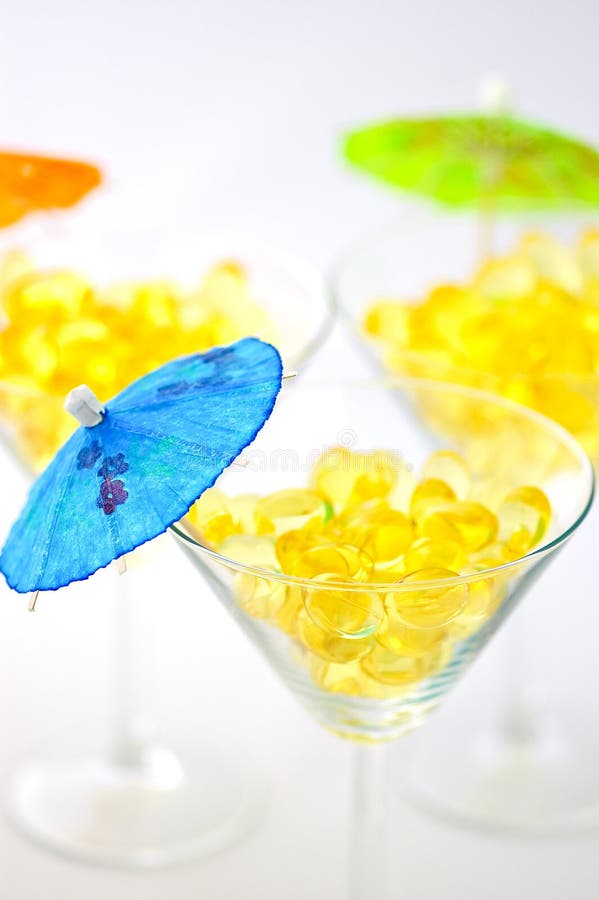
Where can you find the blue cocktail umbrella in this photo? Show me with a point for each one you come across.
(137, 464)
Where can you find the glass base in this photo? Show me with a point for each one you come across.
(139, 817)
(522, 779)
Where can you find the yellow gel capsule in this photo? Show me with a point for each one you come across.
(332, 476)
(401, 493)
(344, 477)
(45, 294)
(394, 669)
(359, 562)
(243, 508)
(495, 554)
(523, 519)
(388, 539)
(338, 678)
(260, 598)
(41, 355)
(409, 641)
(384, 534)
(349, 613)
(288, 510)
(376, 476)
(552, 261)
(320, 560)
(292, 605)
(471, 524)
(212, 518)
(512, 278)
(427, 607)
(329, 645)
(291, 545)
(387, 318)
(485, 596)
(448, 467)
(430, 494)
(251, 550)
(426, 553)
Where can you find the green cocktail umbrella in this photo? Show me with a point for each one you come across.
(493, 161)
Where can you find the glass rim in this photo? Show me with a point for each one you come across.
(537, 553)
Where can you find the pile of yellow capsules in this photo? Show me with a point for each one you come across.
(526, 325)
(366, 521)
(60, 330)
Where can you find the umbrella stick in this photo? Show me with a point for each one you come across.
(485, 229)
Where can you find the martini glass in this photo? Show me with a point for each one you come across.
(374, 695)
(139, 804)
(527, 765)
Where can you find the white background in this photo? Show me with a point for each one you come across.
(227, 116)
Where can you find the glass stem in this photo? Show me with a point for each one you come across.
(526, 719)
(134, 733)
(367, 862)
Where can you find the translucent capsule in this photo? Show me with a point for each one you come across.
(426, 553)
(387, 539)
(289, 510)
(338, 678)
(359, 562)
(523, 519)
(286, 617)
(45, 295)
(330, 645)
(243, 509)
(485, 596)
(344, 477)
(251, 550)
(565, 404)
(553, 261)
(406, 640)
(511, 278)
(40, 354)
(212, 518)
(427, 606)
(260, 598)
(429, 495)
(383, 533)
(320, 560)
(346, 612)
(387, 318)
(155, 304)
(587, 253)
(448, 467)
(291, 545)
(401, 493)
(470, 524)
(396, 669)
(224, 287)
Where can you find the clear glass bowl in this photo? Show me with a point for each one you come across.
(346, 697)
(141, 805)
(299, 312)
(342, 670)
(405, 262)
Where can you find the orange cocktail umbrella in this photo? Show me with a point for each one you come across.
(33, 183)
